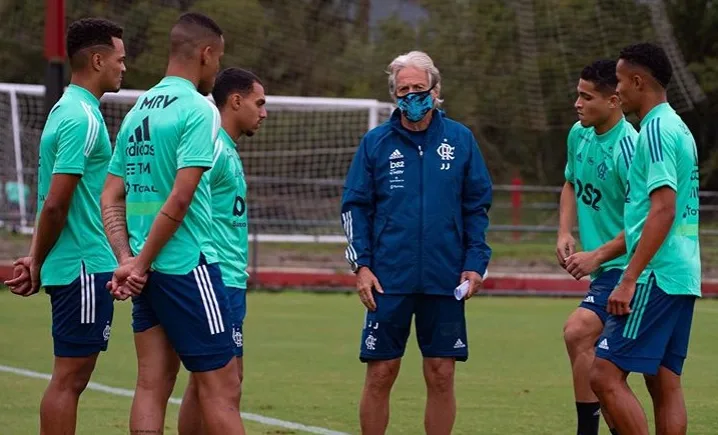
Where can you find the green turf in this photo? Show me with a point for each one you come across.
(302, 366)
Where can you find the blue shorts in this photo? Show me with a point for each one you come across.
(656, 333)
(81, 315)
(440, 327)
(238, 302)
(596, 299)
(194, 311)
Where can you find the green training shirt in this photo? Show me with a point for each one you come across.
(666, 156)
(229, 212)
(170, 127)
(75, 141)
(597, 166)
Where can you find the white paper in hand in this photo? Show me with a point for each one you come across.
(463, 288)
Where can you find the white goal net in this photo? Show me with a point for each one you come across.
(295, 165)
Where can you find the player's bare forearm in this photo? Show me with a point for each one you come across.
(567, 209)
(53, 215)
(565, 243)
(32, 241)
(114, 217)
(658, 224)
(47, 231)
(170, 217)
(612, 249)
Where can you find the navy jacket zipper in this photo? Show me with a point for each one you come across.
(421, 217)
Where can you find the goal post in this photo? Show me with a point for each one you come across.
(295, 165)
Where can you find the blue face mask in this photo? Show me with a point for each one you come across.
(416, 105)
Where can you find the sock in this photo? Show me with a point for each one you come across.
(589, 417)
(614, 431)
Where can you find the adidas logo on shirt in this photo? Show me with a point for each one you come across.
(396, 155)
(604, 344)
(459, 344)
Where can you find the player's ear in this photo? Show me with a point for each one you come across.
(96, 61)
(614, 102)
(206, 55)
(638, 81)
(236, 101)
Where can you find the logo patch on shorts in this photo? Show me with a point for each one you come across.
(370, 342)
(589, 299)
(604, 344)
(106, 332)
(237, 337)
(459, 344)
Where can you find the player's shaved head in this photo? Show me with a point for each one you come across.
(192, 32)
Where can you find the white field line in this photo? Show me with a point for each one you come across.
(269, 421)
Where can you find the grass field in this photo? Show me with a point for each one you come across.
(301, 366)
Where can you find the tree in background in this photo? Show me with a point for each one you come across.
(510, 66)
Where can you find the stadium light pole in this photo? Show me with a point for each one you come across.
(54, 51)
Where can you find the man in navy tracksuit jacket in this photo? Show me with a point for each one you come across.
(414, 211)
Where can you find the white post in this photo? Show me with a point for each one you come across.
(373, 116)
(15, 117)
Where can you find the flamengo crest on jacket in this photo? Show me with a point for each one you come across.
(416, 213)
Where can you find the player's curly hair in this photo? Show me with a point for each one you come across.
(233, 80)
(651, 57)
(602, 73)
(90, 32)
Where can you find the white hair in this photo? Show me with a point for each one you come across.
(417, 59)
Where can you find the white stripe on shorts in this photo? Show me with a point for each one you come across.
(213, 298)
(212, 308)
(83, 294)
(204, 300)
(92, 298)
(87, 297)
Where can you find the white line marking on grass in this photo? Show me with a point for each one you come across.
(269, 421)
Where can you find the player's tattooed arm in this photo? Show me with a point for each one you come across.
(114, 217)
